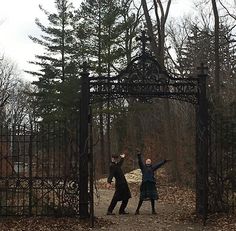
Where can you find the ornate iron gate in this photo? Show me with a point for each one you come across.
(145, 79)
(41, 177)
(39, 169)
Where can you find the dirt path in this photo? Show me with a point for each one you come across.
(166, 218)
(172, 215)
(175, 212)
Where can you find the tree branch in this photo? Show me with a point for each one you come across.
(231, 15)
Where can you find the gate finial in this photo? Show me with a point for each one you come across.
(203, 69)
(143, 38)
(85, 66)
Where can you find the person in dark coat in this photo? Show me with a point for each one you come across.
(122, 192)
(148, 190)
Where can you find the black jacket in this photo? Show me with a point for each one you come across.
(148, 170)
(116, 172)
(122, 191)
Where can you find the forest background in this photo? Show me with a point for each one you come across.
(104, 33)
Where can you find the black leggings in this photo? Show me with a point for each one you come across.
(114, 202)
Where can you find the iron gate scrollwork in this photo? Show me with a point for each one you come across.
(39, 169)
(144, 77)
(222, 162)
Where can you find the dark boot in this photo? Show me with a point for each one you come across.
(110, 213)
(153, 206)
(139, 205)
(112, 206)
(123, 206)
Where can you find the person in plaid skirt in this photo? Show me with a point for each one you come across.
(148, 190)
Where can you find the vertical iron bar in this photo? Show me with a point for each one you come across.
(66, 152)
(48, 152)
(12, 141)
(83, 148)
(43, 134)
(2, 177)
(91, 169)
(55, 135)
(18, 169)
(30, 171)
(16, 134)
(9, 146)
(23, 174)
(226, 157)
(202, 147)
(233, 130)
(77, 159)
(37, 175)
(61, 195)
(221, 155)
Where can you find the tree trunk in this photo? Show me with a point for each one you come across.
(158, 50)
(101, 121)
(108, 101)
(63, 45)
(216, 49)
(154, 45)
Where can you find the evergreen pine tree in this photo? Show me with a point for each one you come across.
(58, 85)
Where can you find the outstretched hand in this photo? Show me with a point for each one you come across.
(109, 186)
(122, 155)
(168, 160)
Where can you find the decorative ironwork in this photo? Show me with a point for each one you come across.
(222, 163)
(39, 170)
(143, 38)
(145, 79)
(39, 165)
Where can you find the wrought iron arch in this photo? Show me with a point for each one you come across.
(144, 78)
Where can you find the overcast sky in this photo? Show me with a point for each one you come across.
(17, 21)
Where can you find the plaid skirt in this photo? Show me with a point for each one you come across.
(148, 191)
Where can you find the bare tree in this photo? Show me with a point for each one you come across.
(216, 49)
(160, 18)
(158, 38)
(14, 107)
(7, 82)
(19, 110)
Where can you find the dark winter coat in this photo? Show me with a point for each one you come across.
(148, 170)
(122, 189)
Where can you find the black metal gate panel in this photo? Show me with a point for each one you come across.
(222, 163)
(39, 169)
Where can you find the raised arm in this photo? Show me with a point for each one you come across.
(122, 157)
(158, 165)
(140, 161)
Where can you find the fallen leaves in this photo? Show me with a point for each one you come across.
(176, 207)
(175, 212)
(49, 224)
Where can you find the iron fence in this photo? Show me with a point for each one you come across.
(222, 163)
(39, 169)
